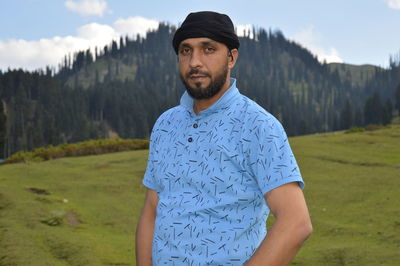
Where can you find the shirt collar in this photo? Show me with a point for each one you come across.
(224, 101)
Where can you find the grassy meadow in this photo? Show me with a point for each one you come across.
(84, 210)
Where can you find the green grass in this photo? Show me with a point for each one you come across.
(352, 190)
(97, 198)
(84, 210)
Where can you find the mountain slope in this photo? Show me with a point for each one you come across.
(124, 87)
(358, 75)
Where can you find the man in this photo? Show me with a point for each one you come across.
(218, 164)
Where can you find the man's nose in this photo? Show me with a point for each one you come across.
(195, 59)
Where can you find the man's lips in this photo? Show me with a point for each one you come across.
(197, 77)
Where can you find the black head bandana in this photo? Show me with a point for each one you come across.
(208, 24)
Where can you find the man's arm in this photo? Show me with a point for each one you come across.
(145, 229)
(291, 228)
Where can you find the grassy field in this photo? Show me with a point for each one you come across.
(84, 210)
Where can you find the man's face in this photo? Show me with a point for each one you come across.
(203, 66)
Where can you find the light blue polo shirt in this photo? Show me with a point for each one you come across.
(211, 172)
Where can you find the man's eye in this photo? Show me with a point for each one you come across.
(185, 51)
(210, 49)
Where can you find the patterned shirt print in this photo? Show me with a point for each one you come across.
(211, 172)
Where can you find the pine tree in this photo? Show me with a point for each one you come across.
(373, 110)
(303, 128)
(346, 116)
(397, 98)
(114, 49)
(358, 118)
(387, 112)
(3, 129)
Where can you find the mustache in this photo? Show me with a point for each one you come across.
(198, 72)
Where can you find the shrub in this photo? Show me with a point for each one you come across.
(354, 130)
(91, 147)
(372, 127)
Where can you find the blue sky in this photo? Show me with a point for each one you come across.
(36, 33)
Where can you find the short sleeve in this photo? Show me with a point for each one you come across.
(271, 159)
(149, 179)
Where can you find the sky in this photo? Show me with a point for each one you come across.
(39, 33)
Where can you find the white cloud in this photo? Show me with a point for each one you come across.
(31, 55)
(97, 34)
(87, 7)
(395, 4)
(242, 30)
(135, 25)
(310, 39)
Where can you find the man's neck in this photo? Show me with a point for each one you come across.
(203, 104)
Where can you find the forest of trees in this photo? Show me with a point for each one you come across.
(122, 88)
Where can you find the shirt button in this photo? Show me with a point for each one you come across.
(195, 125)
(190, 139)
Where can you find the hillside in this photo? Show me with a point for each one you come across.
(83, 211)
(357, 75)
(100, 71)
(122, 88)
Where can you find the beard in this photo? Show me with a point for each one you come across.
(209, 91)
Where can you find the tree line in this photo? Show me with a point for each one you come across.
(121, 89)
